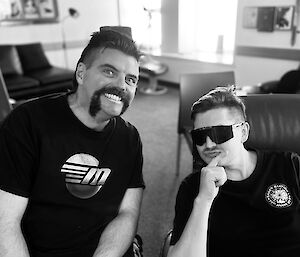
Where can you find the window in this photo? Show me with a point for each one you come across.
(144, 18)
(207, 26)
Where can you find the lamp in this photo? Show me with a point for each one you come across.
(73, 13)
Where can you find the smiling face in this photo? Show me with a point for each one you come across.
(108, 84)
(233, 147)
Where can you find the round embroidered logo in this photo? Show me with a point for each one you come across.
(279, 196)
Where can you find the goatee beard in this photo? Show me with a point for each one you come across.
(95, 104)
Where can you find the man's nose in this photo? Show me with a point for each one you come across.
(121, 82)
(209, 143)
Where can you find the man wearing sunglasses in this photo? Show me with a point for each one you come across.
(241, 202)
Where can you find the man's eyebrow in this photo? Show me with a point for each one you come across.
(133, 76)
(107, 65)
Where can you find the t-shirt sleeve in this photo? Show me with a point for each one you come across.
(184, 205)
(17, 154)
(137, 179)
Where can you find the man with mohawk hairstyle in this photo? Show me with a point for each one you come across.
(71, 167)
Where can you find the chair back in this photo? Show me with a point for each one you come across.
(5, 106)
(274, 121)
(195, 85)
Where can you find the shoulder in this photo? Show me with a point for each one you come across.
(278, 155)
(279, 160)
(33, 112)
(126, 127)
(37, 105)
(123, 123)
(190, 184)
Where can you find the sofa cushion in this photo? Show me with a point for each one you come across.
(9, 60)
(51, 75)
(18, 82)
(32, 57)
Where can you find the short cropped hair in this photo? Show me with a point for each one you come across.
(106, 39)
(218, 98)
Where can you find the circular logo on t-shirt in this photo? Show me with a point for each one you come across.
(83, 176)
(278, 195)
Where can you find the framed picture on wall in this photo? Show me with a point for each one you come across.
(265, 19)
(284, 16)
(32, 11)
(250, 17)
(48, 8)
(15, 10)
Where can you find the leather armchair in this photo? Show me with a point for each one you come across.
(274, 121)
(28, 73)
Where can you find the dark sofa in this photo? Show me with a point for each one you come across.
(28, 73)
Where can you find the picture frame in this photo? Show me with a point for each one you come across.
(284, 17)
(16, 10)
(47, 8)
(266, 19)
(31, 11)
(250, 17)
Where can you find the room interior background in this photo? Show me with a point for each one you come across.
(251, 65)
(259, 56)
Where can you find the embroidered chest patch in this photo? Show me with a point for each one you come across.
(278, 195)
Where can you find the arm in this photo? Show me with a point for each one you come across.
(12, 242)
(119, 233)
(193, 241)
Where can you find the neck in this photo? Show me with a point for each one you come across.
(81, 111)
(243, 168)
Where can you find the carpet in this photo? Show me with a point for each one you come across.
(156, 118)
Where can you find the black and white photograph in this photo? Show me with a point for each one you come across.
(284, 17)
(149, 128)
(30, 9)
(47, 8)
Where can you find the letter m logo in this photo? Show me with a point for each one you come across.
(96, 176)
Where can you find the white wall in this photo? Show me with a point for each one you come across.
(93, 14)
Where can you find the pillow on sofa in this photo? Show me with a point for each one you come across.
(32, 57)
(9, 60)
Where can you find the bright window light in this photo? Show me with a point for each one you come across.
(144, 18)
(207, 26)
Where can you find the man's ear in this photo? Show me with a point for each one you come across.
(245, 131)
(80, 72)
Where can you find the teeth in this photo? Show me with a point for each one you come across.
(113, 97)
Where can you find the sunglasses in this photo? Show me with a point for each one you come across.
(218, 134)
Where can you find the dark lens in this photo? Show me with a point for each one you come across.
(199, 136)
(218, 134)
(221, 134)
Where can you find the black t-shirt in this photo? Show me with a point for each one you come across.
(75, 177)
(256, 217)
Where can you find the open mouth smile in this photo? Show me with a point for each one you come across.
(113, 98)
